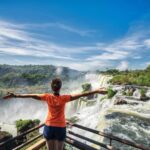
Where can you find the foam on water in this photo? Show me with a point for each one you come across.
(131, 122)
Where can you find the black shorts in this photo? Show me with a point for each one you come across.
(54, 133)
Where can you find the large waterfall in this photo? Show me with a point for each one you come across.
(131, 122)
(127, 121)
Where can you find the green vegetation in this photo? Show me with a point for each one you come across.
(4, 136)
(86, 87)
(143, 92)
(30, 75)
(110, 93)
(128, 92)
(32, 78)
(23, 125)
(36, 121)
(123, 92)
(135, 77)
(110, 72)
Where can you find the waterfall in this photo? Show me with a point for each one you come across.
(131, 122)
(127, 121)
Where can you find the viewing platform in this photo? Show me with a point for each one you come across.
(72, 140)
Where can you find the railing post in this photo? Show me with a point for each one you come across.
(110, 142)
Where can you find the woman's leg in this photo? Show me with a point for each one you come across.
(59, 145)
(50, 144)
(60, 134)
(48, 134)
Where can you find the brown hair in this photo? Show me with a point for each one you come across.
(56, 83)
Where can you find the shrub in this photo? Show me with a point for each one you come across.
(36, 121)
(129, 93)
(86, 87)
(23, 125)
(111, 93)
(136, 77)
(142, 92)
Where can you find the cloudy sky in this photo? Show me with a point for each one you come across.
(84, 35)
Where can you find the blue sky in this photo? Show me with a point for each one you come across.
(83, 35)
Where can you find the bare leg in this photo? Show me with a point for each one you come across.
(50, 144)
(59, 145)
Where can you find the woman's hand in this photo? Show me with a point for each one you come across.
(102, 91)
(69, 124)
(9, 95)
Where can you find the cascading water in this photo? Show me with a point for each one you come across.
(131, 122)
(89, 115)
(128, 121)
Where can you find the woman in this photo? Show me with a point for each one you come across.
(55, 125)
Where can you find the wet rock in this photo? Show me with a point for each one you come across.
(145, 98)
(133, 103)
(128, 91)
(4, 136)
(120, 102)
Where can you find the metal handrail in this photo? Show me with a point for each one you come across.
(78, 144)
(21, 135)
(28, 142)
(109, 136)
(112, 137)
(90, 140)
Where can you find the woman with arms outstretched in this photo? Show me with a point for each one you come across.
(55, 124)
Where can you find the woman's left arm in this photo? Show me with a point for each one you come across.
(99, 91)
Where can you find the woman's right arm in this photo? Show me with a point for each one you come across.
(12, 95)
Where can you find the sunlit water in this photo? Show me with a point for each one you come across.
(128, 121)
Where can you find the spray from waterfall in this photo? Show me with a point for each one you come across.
(126, 121)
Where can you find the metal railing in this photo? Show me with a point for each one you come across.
(73, 140)
(6, 144)
(110, 137)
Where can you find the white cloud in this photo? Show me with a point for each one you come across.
(109, 56)
(88, 65)
(128, 44)
(74, 30)
(13, 34)
(124, 65)
(16, 40)
(62, 26)
(147, 43)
